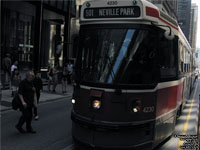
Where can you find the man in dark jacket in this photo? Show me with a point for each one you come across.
(37, 82)
(26, 94)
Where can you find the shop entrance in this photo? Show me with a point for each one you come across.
(52, 34)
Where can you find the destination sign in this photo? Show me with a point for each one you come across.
(112, 12)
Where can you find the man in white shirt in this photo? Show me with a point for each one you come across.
(14, 66)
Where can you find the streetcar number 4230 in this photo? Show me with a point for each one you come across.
(148, 109)
(112, 3)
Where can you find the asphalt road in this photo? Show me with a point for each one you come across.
(53, 128)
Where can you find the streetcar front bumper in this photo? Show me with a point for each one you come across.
(111, 135)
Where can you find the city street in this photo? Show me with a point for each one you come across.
(53, 128)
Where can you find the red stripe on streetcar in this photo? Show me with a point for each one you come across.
(168, 23)
(96, 93)
(168, 99)
(154, 13)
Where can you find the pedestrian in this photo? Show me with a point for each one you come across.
(55, 77)
(50, 78)
(73, 75)
(64, 80)
(15, 80)
(37, 82)
(58, 52)
(6, 64)
(14, 66)
(69, 72)
(26, 94)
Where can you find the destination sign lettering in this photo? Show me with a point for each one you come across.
(112, 12)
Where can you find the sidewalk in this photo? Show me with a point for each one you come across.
(44, 97)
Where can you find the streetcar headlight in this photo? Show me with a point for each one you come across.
(73, 101)
(136, 106)
(96, 104)
(136, 109)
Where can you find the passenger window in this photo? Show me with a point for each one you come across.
(167, 56)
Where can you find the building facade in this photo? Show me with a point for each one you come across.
(193, 26)
(184, 7)
(31, 30)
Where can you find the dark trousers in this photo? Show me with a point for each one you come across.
(69, 78)
(26, 117)
(35, 107)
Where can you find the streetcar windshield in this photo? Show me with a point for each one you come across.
(117, 55)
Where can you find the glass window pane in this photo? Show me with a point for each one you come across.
(121, 55)
(168, 56)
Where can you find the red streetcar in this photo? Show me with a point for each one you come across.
(133, 75)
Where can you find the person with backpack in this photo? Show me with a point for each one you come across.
(26, 93)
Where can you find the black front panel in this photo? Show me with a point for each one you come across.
(116, 107)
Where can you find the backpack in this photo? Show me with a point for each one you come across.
(16, 102)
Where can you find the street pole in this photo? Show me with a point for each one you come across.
(38, 34)
(0, 55)
(67, 33)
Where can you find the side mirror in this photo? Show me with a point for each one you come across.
(169, 35)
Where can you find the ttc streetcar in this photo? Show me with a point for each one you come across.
(133, 75)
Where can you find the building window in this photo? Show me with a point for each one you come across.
(18, 31)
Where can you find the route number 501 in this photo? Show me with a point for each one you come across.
(148, 109)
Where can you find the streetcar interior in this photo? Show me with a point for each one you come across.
(126, 55)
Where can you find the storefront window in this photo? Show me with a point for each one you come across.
(18, 32)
